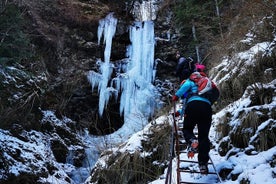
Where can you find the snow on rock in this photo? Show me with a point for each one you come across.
(142, 152)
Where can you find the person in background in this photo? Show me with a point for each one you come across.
(185, 66)
(198, 112)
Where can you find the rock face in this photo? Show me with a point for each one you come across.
(69, 42)
(63, 38)
(66, 45)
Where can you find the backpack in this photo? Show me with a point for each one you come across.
(206, 87)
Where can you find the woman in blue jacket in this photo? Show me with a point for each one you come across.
(198, 112)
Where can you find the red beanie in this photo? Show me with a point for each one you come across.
(200, 67)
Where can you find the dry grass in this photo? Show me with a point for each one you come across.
(239, 20)
(223, 128)
(256, 127)
(250, 16)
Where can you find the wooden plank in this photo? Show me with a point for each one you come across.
(190, 171)
(192, 161)
(185, 182)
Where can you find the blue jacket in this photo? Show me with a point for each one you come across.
(189, 87)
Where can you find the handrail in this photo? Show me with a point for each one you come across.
(174, 150)
(169, 170)
(176, 143)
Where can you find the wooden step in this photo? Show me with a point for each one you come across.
(192, 161)
(190, 171)
(185, 182)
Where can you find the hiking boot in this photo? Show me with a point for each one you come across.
(191, 153)
(194, 144)
(203, 168)
(192, 148)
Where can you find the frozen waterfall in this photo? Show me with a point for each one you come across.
(134, 76)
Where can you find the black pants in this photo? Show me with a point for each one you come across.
(198, 113)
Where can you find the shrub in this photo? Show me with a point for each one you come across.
(14, 42)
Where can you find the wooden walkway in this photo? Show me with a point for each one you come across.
(187, 168)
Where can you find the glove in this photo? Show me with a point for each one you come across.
(174, 98)
(176, 114)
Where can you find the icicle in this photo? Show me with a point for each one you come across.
(109, 32)
(100, 30)
(148, 50)
(116, 85)
(108, 27)
(94, 79)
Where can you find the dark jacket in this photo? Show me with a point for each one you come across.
(184, 68)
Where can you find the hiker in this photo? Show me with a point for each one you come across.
(185, 66)
(197, 112)
(199, 68)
